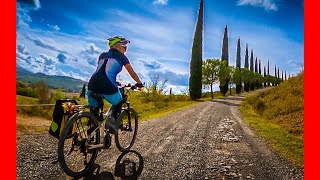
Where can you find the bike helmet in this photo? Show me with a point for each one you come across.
(117, 39)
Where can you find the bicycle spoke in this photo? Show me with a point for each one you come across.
(73, 153)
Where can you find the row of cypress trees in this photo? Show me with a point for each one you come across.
(195, 80)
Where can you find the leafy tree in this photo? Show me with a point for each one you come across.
(210, 73)
(230, 76)
(224, 76)
(22, 89)
(245, 76)
(252, 78)
(58, 94)
(42, 91)
(237, 79)
(224, 57)
(155, 91)
(83, 92)
(272, 79)
(195, 80)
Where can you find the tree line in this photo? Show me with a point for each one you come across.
(212, 71)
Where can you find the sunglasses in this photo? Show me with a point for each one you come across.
(124, 46)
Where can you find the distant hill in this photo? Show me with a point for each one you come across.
(64, 82)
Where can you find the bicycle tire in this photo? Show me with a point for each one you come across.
(133, 121)
(71, 124)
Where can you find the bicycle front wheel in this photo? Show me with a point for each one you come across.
(128, 128)
(73, 154)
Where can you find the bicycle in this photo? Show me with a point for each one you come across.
(87, 134)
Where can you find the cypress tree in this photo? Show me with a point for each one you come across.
(256, 66)
(238, 60)
(260, 72)
(285, 75)
(225, 57)
(251, 69)
(259, 66)
(225, 50)
(246, 65)
(256, 71)
(264, 75)
(275, 74)
(238, 65)
(195, 80)
(278, 76)
(246, 58)
(83, 92)
(251, 61)
(282, 76)
(268, 83)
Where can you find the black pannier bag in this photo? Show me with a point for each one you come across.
(63, 110)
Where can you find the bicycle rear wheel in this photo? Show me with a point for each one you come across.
(128, 129)
(74, 157)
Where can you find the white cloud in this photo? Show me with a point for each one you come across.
(22, 49)
(48, 60)
(266, 4)
(92, 49)
(160, 2)
(33, 4)
(48, 44)
(54, 28)
(23, 9)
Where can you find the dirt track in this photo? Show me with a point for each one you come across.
(206, 141)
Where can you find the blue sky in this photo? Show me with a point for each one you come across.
(66, 37)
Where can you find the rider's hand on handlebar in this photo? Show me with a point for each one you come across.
(139, 85)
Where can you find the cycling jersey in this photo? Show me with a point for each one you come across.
(103, 80)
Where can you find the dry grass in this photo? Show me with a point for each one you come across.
(28, 125)
(277, 114)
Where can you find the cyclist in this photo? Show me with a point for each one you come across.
(103, 80)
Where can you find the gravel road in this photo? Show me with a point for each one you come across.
(208, 140)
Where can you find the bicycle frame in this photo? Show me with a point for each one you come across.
(101, 128)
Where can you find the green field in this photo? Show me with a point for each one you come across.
(277, 114)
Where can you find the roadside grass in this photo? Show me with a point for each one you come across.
(36, 111)
(277, 115)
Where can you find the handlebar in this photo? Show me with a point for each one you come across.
(129, 86)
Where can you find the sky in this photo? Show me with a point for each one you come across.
(66, 37)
